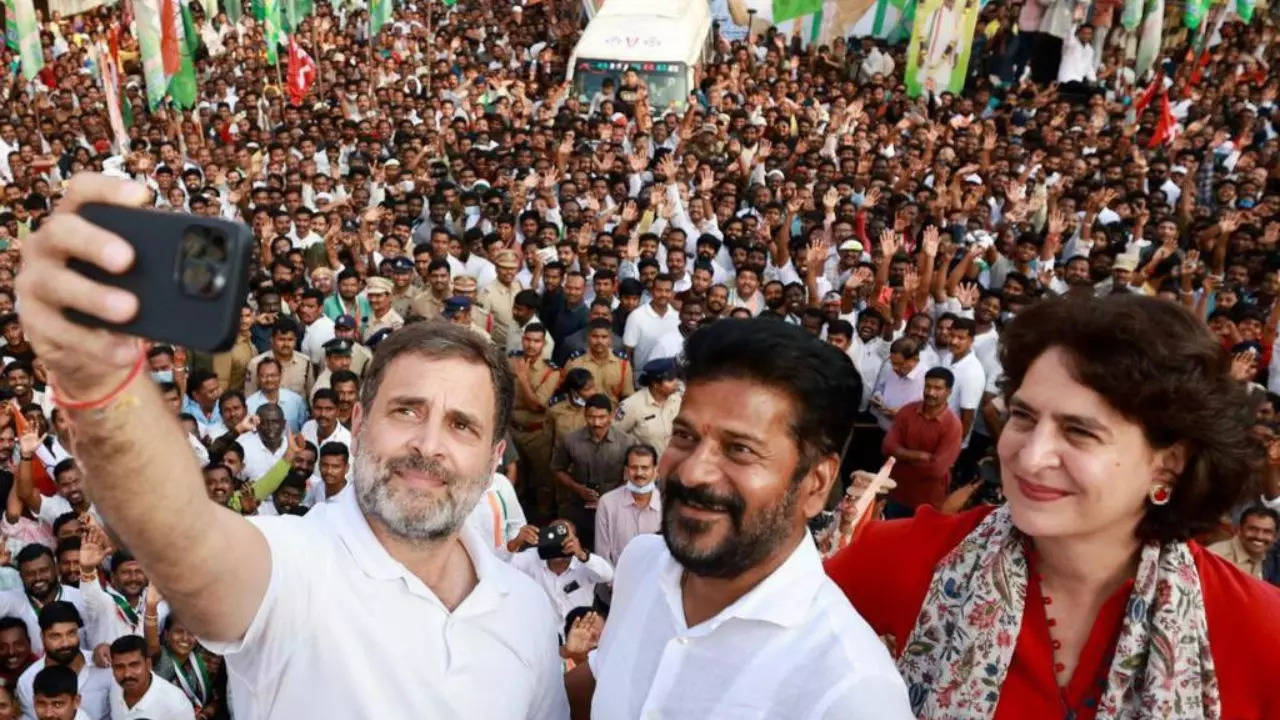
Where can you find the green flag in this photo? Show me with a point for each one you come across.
(1193, 13)
(784, 10)
(189, 27)
(182, 86)
(29, 47)
(379, 15)
(259, 9)
(126, 110)
(1244, 8)
(273, 30)
(234, 9)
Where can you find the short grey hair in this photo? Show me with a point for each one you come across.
(440, 339)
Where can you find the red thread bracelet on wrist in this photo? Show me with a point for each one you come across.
(62, 401)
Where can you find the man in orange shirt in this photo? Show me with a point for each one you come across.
(925, 439)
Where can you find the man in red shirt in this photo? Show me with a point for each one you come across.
(925, 438)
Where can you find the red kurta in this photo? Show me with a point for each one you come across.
(886, 573)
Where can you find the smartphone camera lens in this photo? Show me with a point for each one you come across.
(202, 262)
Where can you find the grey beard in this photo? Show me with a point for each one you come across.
(400, 510)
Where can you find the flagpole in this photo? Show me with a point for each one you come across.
(430, 44)
(279, 77)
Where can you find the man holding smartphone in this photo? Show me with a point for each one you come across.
(271, 593)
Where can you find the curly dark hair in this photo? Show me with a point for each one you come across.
(1157, 365)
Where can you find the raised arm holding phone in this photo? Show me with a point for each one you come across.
(380, 575)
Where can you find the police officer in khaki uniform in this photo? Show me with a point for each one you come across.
(611, 370)
(403, 292)
(648, 414)
(457, 310)
(498, 297)
(344, 328)
(565, 408)
(378, 290)
(428, 304)
(531, 428)
(465, 286)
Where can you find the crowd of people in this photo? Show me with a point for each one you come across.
(443, 171)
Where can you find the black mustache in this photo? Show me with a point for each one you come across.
(704, 497)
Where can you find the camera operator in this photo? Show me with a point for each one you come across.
(568, 573)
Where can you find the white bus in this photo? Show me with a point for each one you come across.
(663, 41)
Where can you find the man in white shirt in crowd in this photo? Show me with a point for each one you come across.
(266, 445)
(317, 328)
(274, 596)
(564, 570)
(138, 693)
(648, 323)
(60, 624)
(323, 427)
(868, 350)
(120, 608)
(1078, 69)
(67, 478)
(730, 613)
(333, 468)
(57, 695)
(41, 586)
(970, 381)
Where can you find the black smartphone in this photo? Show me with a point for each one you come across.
(190, 275)
(551, 542)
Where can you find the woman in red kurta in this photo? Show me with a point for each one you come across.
(1082, 597)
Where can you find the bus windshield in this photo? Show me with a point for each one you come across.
(667, 81)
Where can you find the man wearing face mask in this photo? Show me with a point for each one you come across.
(632, 509)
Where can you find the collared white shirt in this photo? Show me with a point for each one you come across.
(1078, 62)
(108, 621)
(257, 458)
(575, 587)
(346, 631)
(162, 701)
(867, 357)
(895, 391)
(792, 647)
(94, 684)
(318, 333)
(644, 328)
(311, 431)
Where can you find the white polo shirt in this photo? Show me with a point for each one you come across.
(644, 328)
(793, 647)
(345, 631)
(162, 701)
